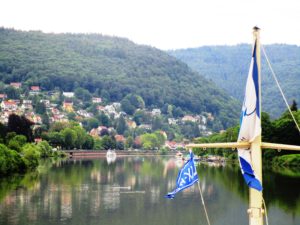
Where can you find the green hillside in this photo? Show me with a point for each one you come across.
(228, 67)
(111, 68)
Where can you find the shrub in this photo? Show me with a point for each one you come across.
(31, 155)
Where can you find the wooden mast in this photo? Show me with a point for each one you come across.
(255, 197)
(255, 210)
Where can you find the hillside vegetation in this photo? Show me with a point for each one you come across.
(228, 67)
(111, 68)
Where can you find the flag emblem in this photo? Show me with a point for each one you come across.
(187, 176)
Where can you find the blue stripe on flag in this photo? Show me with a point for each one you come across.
(250, 124)
(249, 175)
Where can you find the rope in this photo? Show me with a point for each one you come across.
(278, 85)
(202, 200)
(266, 213)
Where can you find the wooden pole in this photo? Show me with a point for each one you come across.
(256, 200)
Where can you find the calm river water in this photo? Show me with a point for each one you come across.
(130, 191)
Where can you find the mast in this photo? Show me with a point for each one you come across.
(255, 210)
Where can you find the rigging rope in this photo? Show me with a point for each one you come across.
(266, 213)
(278, 85)
(202, 200)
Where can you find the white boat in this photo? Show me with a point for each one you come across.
(111, 156)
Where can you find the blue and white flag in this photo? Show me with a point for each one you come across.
(187, 176)
(250, 124)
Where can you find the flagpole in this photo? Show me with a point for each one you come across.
(255, 204)
(203, 203)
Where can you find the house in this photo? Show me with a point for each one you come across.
(171, 145)
(3, 96)
(27, 105)
(131, 124)
(145, 126)
(9, 105)
(68, 94)
(34, 90)
(94, 132)
(202, 127)
(164, 134)
(189, 118)
(46, 102)
(210, 117)
(16, 84)
(101, 108)
(55, 111)
(96, 100)
(156, 112)
(84, 113)
(37, 140)
(172, 121)
(68, 106)
(174, 145)
(120, 138)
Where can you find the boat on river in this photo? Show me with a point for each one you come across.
(111, 156)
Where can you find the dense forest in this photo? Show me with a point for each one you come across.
(228, 67)
(110, 67)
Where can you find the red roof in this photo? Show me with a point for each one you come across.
(16, 84)
(35, 88)
(9, 103)
(120, 138)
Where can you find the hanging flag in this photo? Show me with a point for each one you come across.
(187, 176)
(250, 124)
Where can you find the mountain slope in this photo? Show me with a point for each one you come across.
(228, 67)
(110, 67)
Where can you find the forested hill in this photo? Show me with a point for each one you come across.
(110, 67)
(228, 67)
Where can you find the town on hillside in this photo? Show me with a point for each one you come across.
(129, 123)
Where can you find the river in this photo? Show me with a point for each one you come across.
(130, 191)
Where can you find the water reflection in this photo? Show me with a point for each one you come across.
(131, 189)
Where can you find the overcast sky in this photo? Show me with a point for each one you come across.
(165, 24)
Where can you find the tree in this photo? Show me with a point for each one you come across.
(40, 108)
(104, 120)
(108, 143)
(12, 93)
(294, 107)
(140, 117)
(31, 155)
(89, 142)
(121, 125)
(45, 149)
(90, 123)
(81, 136)
(127, 106)
(69, 137)
(56, 138)
(17, 142)
(71, 116)
(157, 123)
(20, 125)
(3, 131)
(129, 142)
(83, 94)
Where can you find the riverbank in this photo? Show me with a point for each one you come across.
(102, 153)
